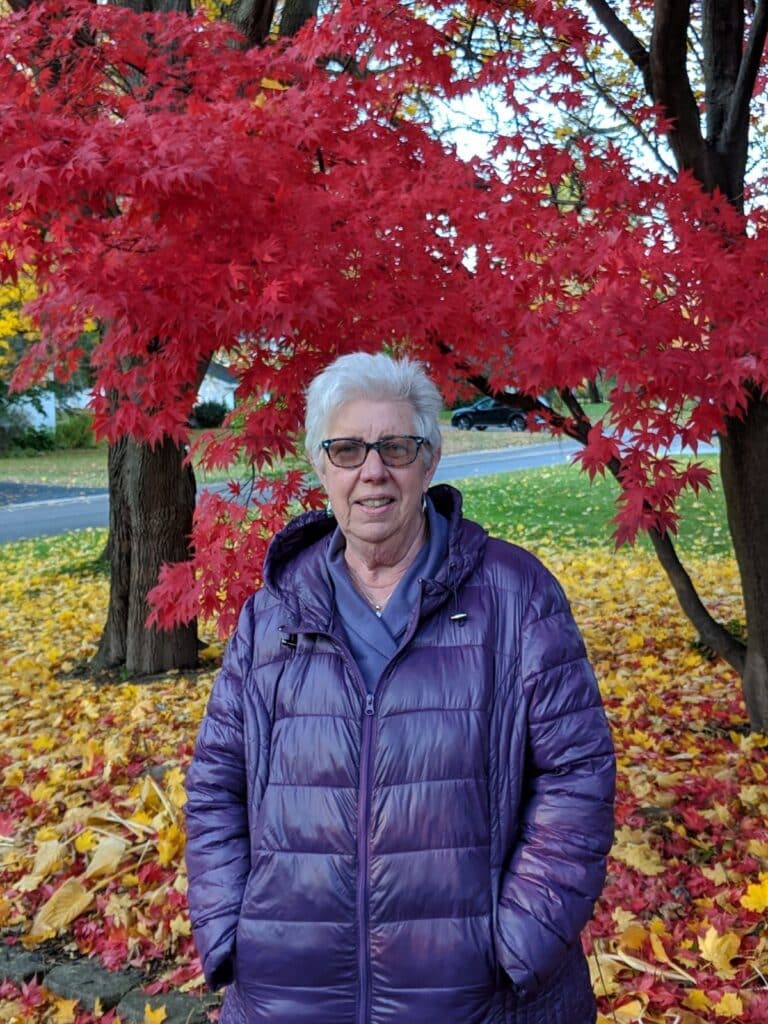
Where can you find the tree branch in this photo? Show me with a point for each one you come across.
(711, 632)
(625, 38)
(672, 88)
(737, 119)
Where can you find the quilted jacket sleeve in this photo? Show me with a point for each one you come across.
(217, 850)
(556, 869)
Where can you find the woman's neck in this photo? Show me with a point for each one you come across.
(378, 569)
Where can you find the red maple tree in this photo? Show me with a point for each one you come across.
(289, 202)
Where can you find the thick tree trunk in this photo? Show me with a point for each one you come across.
(152, 500)
(743, 461)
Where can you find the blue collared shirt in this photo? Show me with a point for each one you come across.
(374, 638)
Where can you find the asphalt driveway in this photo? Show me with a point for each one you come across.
(14, 493)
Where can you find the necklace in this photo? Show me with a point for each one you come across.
(376, 603)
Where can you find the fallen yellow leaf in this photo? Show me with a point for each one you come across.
(67, 903)
(729, 1006)
(48, 858)
(720, 950)
(697, 1000)
(64, 1011)
(107, 856)
(756, 896)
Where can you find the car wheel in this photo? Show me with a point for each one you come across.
(517, 423)
(464, 423)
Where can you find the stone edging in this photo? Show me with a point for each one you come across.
(87, 980)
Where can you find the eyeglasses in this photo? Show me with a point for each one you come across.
(349, 453)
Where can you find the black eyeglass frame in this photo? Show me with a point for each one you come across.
(375, 446)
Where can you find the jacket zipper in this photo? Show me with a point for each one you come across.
(363, 828)
(364, 810)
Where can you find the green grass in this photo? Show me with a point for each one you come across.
(72, 467)
(87, 467)
(558, 505)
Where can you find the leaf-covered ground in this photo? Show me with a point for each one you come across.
(91, 830)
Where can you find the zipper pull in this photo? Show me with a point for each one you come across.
(369, 704)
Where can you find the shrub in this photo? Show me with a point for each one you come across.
(208, 414)
(36, 439)
(75, 430)
(17, 434)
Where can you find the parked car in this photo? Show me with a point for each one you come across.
(487, 412)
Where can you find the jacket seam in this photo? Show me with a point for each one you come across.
(553, 668)
(564, 714)
(430, 849)
(419, 711)
(418, 782)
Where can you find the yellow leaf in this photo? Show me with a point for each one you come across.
(630, 1012)
(604, 976)
(717, 874)
(632, 848)
(64, 1011)
(181, 926)
(154, 1016)
(107, 856)
(43, 743)
(697, 1000)
(719, 950)
(45, 833)
(729, 1006)
(42, 791)
(67, 903)
(623, 918)
(49, 858)
(170, 844)
(756, 896)
(634, 936)
(14, 776)
(272, 83)
(173, 781)
(5, 910)
(85, 841)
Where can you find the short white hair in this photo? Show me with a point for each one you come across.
(376, 377)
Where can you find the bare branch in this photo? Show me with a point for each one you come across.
(625, 38)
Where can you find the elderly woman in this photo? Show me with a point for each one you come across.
(400, 802)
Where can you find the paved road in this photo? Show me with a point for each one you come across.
(31, 510)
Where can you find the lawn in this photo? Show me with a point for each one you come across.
(558, 504)
(87, 467)
(93, 772)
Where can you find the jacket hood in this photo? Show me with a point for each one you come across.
(294, 569)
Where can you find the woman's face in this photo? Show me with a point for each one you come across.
(376, 504)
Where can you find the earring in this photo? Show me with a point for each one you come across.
(328, 509)
(424, 502)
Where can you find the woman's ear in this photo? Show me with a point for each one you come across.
(430, 471)
(316, 461)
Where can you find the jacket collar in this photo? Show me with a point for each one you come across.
(295, 572)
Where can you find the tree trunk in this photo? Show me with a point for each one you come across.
(743, 459)
(593, 392)
(152, 500)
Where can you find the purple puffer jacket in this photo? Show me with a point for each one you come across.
(425, 855)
